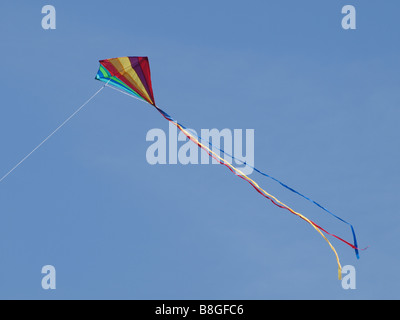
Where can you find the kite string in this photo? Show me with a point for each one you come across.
(51, 134)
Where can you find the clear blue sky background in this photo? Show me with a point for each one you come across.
(324, 103)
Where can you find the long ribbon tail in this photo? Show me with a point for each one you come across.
(317, 204)
(240, 174)
(274, 179)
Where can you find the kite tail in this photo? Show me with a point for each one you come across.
(355, 246)
(179, 125)
(316, 203)
(240, 174)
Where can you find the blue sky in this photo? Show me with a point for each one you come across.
(324, 104)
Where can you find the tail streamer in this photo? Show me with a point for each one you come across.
(265, 194)
(355, 246)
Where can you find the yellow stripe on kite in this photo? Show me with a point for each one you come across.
(124, 66)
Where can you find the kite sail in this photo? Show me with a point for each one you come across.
(131, 75)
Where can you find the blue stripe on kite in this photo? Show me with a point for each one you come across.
(118, 85)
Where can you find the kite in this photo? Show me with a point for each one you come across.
(131, 76)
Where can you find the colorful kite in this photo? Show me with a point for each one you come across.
(131, 75)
